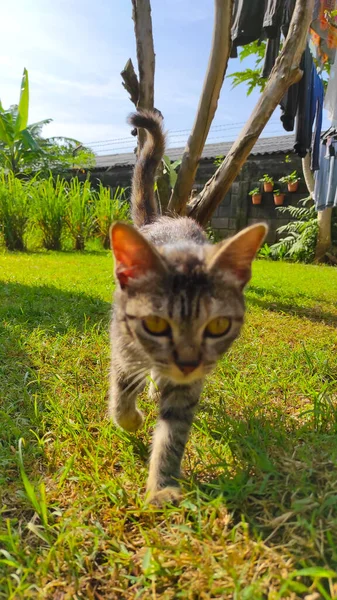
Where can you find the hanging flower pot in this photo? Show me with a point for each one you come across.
(268, 186)
(278, 198)
(293, 186)
(291, 180)
(268, 183)
(256, 196)
(256, 199)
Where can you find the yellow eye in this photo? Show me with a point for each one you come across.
(156, 325)
(218, 327)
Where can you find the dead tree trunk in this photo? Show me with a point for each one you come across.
(324, 217)
(141, 89)
(216, 70)
(285, 72)
(324, 242)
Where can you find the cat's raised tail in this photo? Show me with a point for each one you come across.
(143, 202)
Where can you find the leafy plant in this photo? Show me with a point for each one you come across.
(251, 77)
(291, 178)
(171, 169)
(276, 192)
(22, 147)
(48, 209)
(301, 234)
(109, 208)
(264, 251)
(266, 179)
(79, 217)
(219, 160)
(14, 210)
(254, 192)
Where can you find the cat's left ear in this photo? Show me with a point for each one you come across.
(134, 255)
(236, 254)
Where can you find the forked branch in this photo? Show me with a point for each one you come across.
(285, 72)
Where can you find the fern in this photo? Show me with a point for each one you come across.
(300, 242)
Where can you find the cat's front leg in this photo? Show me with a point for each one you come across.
(177, 408)
(124, 389)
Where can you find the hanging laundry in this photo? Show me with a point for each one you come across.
(330, 101)
(325, 193)
(259, 19)
(317, 99)
(273, 17)
(323, 30)
(280, 16)
(246, 23)
(304, 100)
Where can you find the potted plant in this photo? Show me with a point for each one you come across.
(278, 198)
(291, 180)
(256, 195)
(268, 183)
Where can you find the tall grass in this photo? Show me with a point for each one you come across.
(80, 212)
(48, 210)
(109, 208)
(56, 210)
(15, 200)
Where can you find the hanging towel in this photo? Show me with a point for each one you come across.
(330, 101)
(325, 194)
(323, 33)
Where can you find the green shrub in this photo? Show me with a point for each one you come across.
(80, 220)
(15, 200)
(109, 208)
(49, 209)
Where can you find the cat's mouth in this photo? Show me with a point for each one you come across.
(176, 375)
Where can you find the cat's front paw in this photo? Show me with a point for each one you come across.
(130, 421)
(167, 495)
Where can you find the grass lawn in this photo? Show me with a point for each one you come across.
(259, 518)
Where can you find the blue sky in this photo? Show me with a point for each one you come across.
(74, 51)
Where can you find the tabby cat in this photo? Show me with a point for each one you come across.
(178, 307)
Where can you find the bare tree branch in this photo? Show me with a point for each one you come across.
(130, 81)
(308, 176)
(285, 72)
(208, 103)
(141, 15)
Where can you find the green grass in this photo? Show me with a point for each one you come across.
(259, 518)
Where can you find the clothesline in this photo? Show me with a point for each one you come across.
(302, 105)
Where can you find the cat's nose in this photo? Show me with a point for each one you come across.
(187, 367)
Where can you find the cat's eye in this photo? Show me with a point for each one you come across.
(156, 325)
(217, 327)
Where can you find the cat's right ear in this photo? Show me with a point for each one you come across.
(235, 255)
(134, 255)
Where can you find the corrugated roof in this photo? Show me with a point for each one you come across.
(267, 145)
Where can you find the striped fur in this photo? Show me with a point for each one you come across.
(143, 203)
(168, 268)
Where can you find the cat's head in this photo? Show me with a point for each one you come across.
(182, 306)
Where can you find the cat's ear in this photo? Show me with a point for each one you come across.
(236, 254)
(134, 255)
